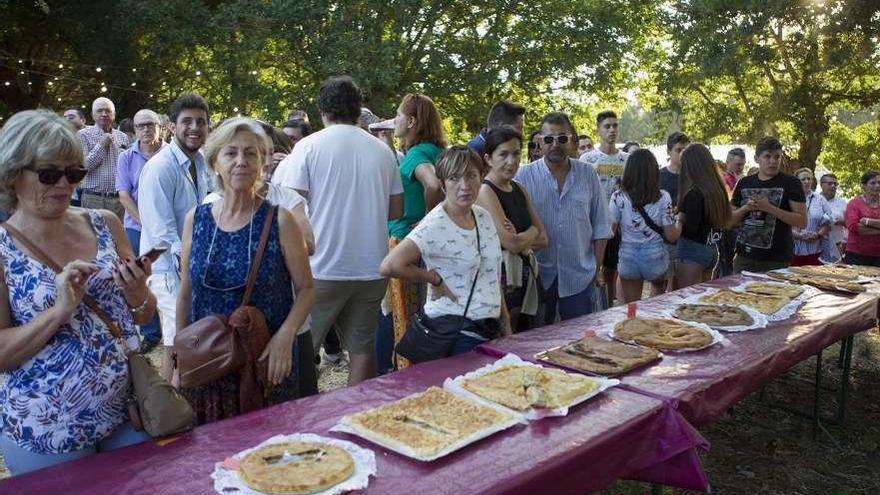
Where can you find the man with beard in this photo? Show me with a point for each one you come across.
(102, 145)
(568, 197)
(173, 182)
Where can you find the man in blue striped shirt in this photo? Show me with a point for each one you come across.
(568, 197)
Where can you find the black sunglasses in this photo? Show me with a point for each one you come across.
(561, 139)
(532, 145)
(50, 175)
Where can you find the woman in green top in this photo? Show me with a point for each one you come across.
(419, 127)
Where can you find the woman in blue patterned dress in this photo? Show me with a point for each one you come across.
(219, 242)
(64, 381)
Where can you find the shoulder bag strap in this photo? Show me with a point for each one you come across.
(41, 256)
(651, 224)
(258, 257)
(479, 262)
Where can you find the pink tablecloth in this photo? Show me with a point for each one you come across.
(615, 434)
(705, 383)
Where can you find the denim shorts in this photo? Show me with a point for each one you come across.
(643, 260)
(695, 253)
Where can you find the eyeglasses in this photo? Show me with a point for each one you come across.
(51, 175)
(145, 125)
(561, 139)
(532, 145)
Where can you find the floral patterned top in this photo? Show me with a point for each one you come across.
(74, 391)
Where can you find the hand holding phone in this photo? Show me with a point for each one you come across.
(153, 254)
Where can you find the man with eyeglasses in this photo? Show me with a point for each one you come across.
(608, 162)
(837, 236)
(568, 197)
(128, 171)
(102, 145)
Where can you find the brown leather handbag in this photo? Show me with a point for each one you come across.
(155, 406)
(215, 346)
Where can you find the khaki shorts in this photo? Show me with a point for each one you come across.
(353, 307)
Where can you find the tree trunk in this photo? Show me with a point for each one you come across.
(812, 136)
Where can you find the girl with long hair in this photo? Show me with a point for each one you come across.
(704, 210)
(642, 213)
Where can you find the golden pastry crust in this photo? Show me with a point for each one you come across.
(604, 357)
(842, 272)
(819, 282)
(525, 387)
(720, 315)
(427, 422)
(662, 333)
(296, 467)
(766, 304)
(774, 289)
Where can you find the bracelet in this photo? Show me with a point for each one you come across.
(143, 305)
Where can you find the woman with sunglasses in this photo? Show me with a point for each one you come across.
(219, 244)
(66, 384)
(518, 225)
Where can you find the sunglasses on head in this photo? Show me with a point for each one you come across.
(561, 139)
(50, 175)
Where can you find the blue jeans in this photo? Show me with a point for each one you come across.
(580, 304)
(20, 461)
(696, 254)
(385, 344)
(643, 260)
(151, 332)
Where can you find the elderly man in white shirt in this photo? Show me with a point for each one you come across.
(837, 236)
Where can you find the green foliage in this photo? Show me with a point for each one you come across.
(849, 152)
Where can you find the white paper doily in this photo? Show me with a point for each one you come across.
(227, 481)
(455, 385)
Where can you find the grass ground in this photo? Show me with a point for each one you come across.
(758, 450)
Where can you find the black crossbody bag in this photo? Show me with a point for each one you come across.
(427, 338)
(651, 225)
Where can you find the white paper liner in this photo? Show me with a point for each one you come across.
(717, 337)
(455, 385)
(759, 319)
(785, 312)
(227, 481)
(345, 427)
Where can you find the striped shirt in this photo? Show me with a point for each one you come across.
(573, 218)
(818, 214)
(100, 161)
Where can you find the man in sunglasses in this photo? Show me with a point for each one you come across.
(568, 197)
(102, 145)
(608, 163)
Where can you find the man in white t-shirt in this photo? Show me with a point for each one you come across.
(608, 162)
(351, 183)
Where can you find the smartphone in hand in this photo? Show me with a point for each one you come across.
(153, 254)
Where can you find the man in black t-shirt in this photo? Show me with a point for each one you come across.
(766, 206)
(675, 144)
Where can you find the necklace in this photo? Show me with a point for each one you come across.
(211, 251)
(873, 204)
